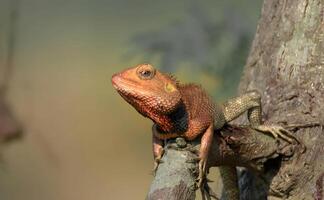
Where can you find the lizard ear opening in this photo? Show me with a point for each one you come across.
(170, 87)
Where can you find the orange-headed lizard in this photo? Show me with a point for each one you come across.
(185, 110)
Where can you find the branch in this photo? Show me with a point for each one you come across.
(232, 146)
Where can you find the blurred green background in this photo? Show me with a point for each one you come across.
(82, 141)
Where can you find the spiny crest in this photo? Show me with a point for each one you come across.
(173, 79)
(195, 87)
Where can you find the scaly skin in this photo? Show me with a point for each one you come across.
(176, 110)
(185, 110)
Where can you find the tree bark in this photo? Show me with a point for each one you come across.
(286, 65)
(232, 146)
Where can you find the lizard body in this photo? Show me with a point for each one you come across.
(186, 110)
(176, 109)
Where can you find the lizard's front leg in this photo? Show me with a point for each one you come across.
(255, 119)
(206, 141)
(251, 102)
(157, 147)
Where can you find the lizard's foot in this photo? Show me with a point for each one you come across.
(277, 132)
(202, 172)
(157, 161)
(206, 192)
(202, 163)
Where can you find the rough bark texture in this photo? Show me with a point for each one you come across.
(232, 146)
(174, 179)
(286, 65)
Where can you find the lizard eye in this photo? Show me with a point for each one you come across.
(145, 71)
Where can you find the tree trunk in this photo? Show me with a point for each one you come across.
(286, 65)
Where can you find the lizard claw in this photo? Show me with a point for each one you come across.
(202, 172)
(206, 192)
(157, 161)
(277, 132)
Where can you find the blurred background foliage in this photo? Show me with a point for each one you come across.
(82, 141)
(200, 42)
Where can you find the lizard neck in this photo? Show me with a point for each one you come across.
(175, 122)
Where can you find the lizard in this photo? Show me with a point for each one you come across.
(186, 110)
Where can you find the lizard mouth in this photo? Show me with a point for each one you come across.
(128, 90)
(120, 83)
(126, 87)
(115, 80)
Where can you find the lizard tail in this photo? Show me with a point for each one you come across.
(230, 185)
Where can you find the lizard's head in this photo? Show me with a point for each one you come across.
(147, 90)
